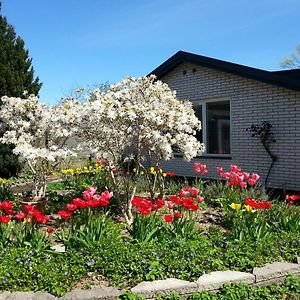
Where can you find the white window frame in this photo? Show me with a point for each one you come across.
(203, 102)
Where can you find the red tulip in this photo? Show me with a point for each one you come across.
(171, 174)
(20, 216)
(79, 202)
(194, 191)
(4, 219)
(71, 207)
(6, 205)
(200, 168)
(200, 199)
(168, 218)
(160, 203)
(64, 214)
(177, 214)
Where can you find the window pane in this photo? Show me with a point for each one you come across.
(198, 113)
(218, 127)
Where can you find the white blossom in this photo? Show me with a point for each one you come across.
(39, 133)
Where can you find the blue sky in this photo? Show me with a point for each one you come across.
(81, 43)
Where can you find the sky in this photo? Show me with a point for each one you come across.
(84, 43)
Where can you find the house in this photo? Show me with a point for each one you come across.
(229, 98)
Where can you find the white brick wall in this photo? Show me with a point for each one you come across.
(251, 102)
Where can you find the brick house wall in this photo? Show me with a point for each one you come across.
(251, 102)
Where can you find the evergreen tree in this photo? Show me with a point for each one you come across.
(16, 76)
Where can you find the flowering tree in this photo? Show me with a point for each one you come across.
(140, 116)
(39, 133)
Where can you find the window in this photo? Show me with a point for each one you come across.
(198, 112)
(215, 118)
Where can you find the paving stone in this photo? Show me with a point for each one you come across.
(162, 287)
(27, 296)
(108, 293)
(275, 270)
(4, 295)
(58, 248)
(215, 280)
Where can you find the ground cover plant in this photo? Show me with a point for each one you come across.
(122, 216)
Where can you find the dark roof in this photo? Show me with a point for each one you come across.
(293, 74)
(280, 78)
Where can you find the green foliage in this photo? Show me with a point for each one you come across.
(152, 249)
(130, 296)
(261, 224)
(125, 263)
(23, 235)
(9, 164)
(289, 290)
(16, 72)
(16, 76)
(57, 200)
(146, 228)
(5, 190)
(285, 218)
(183, 228)
(23, 269)
(90, 232)
(173, 186)
(78, 180)
(219, 194)
(250, 226)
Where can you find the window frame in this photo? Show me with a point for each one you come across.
(204, 102)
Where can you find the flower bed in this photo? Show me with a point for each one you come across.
(165, 240)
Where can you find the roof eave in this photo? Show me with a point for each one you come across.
(240, 70)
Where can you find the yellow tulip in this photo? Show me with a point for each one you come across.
(235, 206)
(248, 208)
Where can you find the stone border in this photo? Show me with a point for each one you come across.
(270, 273)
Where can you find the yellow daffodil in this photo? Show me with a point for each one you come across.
(248, 208)
(152, 170)
(164, 174)
(235, 206)
(3, 181)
